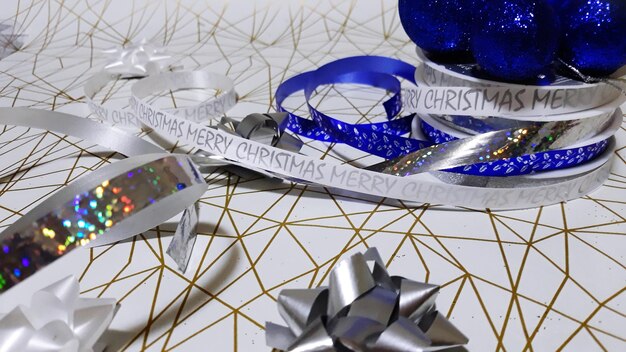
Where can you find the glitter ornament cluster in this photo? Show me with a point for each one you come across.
(593, 35)
(521, 40)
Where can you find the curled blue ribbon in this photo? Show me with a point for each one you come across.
(389, 139)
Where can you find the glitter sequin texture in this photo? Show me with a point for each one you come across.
(440, 27)
(89, 215)
(594, 35)
(516, 40)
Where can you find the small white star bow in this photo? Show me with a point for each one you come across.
(139, 59)
(57, 320)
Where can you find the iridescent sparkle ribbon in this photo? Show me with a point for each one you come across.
(363, 309)
(497, 145)
(110, 204)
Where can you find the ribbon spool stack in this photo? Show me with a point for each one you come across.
(363, 309)
(492, 74)
(527, 129)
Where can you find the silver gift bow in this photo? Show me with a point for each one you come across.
(57, 320)
(363, 309)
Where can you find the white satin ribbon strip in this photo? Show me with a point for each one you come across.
(421, 188)
(520, 104)
(92, 131)
(226, 96)
(444, 91)
(209, 109)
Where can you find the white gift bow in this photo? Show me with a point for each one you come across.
(137, 59)
(57, 320)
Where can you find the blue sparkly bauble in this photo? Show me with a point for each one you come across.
(594, 35)
(439, 27)
(556, 4)
(515, 40)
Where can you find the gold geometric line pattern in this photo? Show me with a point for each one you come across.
(542, 279)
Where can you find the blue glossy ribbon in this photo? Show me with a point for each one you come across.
(383, 139)
(388, 139)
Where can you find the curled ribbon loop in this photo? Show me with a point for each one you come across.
(57, 320)
(267, 129)
(363, 309)
(262, 128)
(110, 204)
(566, 136)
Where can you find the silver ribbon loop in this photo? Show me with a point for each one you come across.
(264, 128)
(300, 307)
(363, 309)
(416, 298)
(261, 128)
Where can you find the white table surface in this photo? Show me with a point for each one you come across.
(533, 280)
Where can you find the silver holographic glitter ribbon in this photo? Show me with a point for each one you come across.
(496, 145)
(112, 203)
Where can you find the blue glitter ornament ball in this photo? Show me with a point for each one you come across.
(556, 4)
(515, 40)
(594, 35)
(439, 27)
